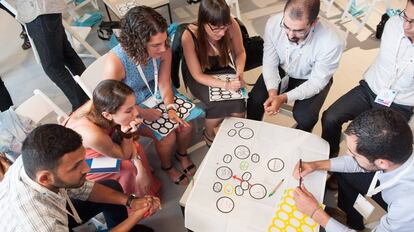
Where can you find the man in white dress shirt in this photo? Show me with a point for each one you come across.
(389, 81)
(301, 53)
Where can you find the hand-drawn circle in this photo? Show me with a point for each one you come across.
(257, 191)
(182, 110)
(242, 152)
(214, 93)
(225, 204)
(255, 158)
(228, 189)
(179, 101)
(155, 125)
(161, 120)
(217, 187)
(226, 96)
(244, 185)
(246, 133)
(162, 106)
(224, 173)
(163, 130)
(232, 132)
(215, 97)
(239, 124)
(244, 165)
(238, 190)
(227, 158)
(169, 125)
(165, 115)
(147, 122)
(246, 176)
(187, 105)
(275, 165)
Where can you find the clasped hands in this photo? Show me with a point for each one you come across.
(145, 206)
(273, 103)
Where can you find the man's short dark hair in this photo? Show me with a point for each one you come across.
(382, 134)
(301, 8)
(44, 147)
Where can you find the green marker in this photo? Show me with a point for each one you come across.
(275, 189)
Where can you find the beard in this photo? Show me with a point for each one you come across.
(294, 39)
(58, 183)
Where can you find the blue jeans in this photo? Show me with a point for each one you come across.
(57, 56)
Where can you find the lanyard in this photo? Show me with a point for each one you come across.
(396, 71)
(74, 213)
(372, 190)
(144, 79)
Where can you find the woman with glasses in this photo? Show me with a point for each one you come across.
(214, 45)
(142, 60)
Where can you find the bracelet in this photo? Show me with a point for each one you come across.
(314, 211)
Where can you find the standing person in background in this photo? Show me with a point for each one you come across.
(214, 45)
(23, 35)
(59, 60)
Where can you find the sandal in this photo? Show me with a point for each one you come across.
(190, 167)
(179, 180)
(207, 139)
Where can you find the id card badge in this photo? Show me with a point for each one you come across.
(151, 102)
(386, 97)
(363, 206)
(284, 84)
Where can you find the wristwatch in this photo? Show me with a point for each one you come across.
(129, 200)
(171, 106)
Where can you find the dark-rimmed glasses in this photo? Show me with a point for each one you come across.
(217, 30)
(406, 19)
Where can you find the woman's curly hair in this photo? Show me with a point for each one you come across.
(137, 27)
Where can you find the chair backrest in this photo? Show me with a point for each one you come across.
(91, 77)
(38, 107)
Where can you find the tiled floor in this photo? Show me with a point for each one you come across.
(22, 75)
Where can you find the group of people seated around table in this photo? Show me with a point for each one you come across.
(48, 188)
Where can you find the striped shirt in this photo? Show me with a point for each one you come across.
(27, 206)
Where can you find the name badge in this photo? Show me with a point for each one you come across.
(284, 84)
(386, 97)
(151, 102)
(363, 206)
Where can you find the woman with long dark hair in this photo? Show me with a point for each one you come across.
(214, 45)
(107, 125)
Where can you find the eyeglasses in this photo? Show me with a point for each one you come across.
(300, 32)
(217, 30)
(406, 19)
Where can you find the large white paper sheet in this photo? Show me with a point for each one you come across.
(245, 163)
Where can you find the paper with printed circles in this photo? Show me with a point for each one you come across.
(236, 188)
(221, 94)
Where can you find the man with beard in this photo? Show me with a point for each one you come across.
(379, 149)
(301, 52)
(46, 190)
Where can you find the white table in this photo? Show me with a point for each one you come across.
(268, 141)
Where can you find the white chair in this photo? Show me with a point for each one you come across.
(38, 107)
(235, 4)
(368, 6)
(91, 76)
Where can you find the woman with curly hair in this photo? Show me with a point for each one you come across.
(209, 47)
(142, 60)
